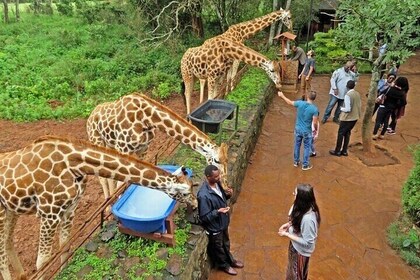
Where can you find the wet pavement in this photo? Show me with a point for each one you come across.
(357, 202)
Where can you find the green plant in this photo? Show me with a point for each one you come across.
(411, 190)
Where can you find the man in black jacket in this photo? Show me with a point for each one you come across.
(214, 215)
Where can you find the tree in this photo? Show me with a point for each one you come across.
(398, 23)
(6, 11)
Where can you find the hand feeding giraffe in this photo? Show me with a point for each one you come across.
(212, 61)
(48, 178)
(129, 123)
(237, 33)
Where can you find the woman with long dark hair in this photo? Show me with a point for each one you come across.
(302, 229)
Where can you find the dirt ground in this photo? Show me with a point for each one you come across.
(16, 135)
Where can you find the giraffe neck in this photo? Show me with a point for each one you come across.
(242, 31)
(83, 158)
(177, 127)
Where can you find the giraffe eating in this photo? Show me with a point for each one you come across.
(213, 60)
(129, 123)
(48, 178)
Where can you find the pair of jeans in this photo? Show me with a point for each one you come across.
(306, 138)
(331, 103)
(343, 136)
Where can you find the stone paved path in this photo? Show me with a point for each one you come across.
(357, 202)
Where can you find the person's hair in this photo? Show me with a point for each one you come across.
(402, 82)
(304, 201)
(312, 95)
(351, 84)
(349, 64)
(208, 171)
(311, 52)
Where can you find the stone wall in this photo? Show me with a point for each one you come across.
(240, 150)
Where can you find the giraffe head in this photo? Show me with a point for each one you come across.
(219, 158)
(273, 69)
(183, 188)
(286, 18)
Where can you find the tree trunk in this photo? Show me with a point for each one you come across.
(220, 7)
(49, 8)
(17, 10)
(274, 25)
(6, 11)
(197, 22)
(367, 117)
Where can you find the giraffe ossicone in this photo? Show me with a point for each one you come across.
(48, 177)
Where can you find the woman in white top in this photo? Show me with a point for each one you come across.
(302, 229)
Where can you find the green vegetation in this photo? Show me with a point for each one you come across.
(110, 260)
(404, 234)
(56, 67)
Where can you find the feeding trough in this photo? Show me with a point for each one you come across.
(146, 212)
(210, 115)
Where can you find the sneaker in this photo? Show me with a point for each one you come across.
(390, 132)
(296, 164)
(381, 137)
(374, 137)
(313, 154)
(307, 167)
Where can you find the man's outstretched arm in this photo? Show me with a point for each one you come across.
(288, 101)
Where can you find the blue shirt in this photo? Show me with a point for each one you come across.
(305, 112)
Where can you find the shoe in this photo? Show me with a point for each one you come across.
(344, 154)
(389, 129)
(374, 137)
(334, 153)
(391, 132)
(381, 137)
(238, 264)
(296, 164)
(307, 167)
(230, 270)
(336, 121)
(312, 155)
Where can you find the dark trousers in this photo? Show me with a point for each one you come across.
(300, 68)
(393, 123)
(343, 135)
(382, 117)
(219, 249)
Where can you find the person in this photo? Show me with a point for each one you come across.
(350, 113)
(299, 55)
(338, 89)
(213, 211)
(395, 99)
(307, 116)
(383, 85)
(400, 111)
(306, 74)
(302, 230)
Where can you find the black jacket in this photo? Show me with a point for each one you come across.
(208, 204)
(395, 98)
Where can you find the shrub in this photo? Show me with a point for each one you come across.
(411, 191)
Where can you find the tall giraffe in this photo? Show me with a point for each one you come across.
(211, 61)
(48, 178)
(237, 33)
(129, 123)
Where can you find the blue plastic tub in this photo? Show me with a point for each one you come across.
(143, 209)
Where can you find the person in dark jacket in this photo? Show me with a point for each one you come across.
(395, 99)
(214, 215)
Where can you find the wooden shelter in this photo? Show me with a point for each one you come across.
(289, 68)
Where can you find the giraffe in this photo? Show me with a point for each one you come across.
(212, 61)
(48, 178)
(237, 33)
(129, 123)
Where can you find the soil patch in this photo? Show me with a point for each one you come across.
(380, 157)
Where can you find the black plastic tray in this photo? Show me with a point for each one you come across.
(209, 115)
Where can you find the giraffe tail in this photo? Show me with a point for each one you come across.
(183, 92)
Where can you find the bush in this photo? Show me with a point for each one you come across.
(411, 191)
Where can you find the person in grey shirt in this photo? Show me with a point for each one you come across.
(338, 89)
(302, 229)
(299, 55)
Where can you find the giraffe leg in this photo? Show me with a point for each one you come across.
(188, 92)
(4, 233)
(105, 188)
(46, 238)
(202, 86)
(13, 257)
(211, 87)
(65, 229)
(233, 72)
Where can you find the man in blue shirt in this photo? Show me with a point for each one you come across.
(306, 119)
